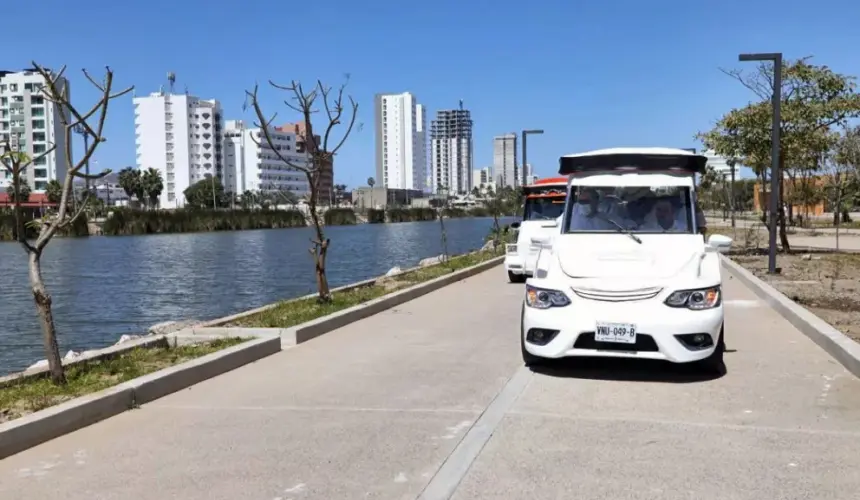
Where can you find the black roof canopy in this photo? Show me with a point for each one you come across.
(688, 163)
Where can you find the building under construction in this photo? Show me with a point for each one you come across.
(451, 151)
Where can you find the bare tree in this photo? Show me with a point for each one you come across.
(320, 153)
(92, 121)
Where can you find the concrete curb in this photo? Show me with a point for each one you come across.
(36, 428)
(834, 342)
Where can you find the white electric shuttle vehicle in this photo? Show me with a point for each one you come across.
(627, 273)
(544, 205)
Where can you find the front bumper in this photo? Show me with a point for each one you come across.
(519, 263)
(657, 327)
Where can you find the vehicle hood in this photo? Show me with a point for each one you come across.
(617, 256)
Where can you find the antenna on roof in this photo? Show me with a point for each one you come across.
(171, 80)
(461, 104)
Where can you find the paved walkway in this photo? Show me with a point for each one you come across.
(400, 403)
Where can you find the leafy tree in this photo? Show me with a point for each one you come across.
(205, 193)
(814, 99)
(320, 152)
(843, 179)
(152, 185)
(91, 122)
(18, 191)
(371, 182)
(54, 191)
(495, 205)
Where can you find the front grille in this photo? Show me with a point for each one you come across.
(644, 343)
(617, 295)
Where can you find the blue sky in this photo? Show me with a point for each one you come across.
(592, 74)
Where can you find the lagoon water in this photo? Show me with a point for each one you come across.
(104, 287)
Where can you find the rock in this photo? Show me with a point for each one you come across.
(431, 261)
(42, 363)
(806, 257)
(171, 326)
(394, 270)
(127, 338)
(71, 355)
(488, 246)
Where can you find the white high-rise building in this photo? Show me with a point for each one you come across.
(179, 135)
(719, 163)
(451, 151)
(483, 178)
(32, 124)
(401, 141)
(251, 165)
(505, 160)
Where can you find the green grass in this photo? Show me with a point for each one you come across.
(34, 394)
(294, 312)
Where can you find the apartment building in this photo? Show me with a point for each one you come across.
(401, 141)
(451, 151)
(31, 124)
(483, 178)
(326, 181)
(505, 160)
(252, 165)
(181, 136)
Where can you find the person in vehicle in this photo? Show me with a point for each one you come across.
(589, 215)
(664, 218)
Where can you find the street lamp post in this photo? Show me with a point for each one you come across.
(775, 173)
(525, 134)
(79, 129)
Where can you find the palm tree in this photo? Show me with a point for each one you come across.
(129, 180)
(152, 185)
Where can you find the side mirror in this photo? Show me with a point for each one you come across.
(550, 224)
(515, 225)
(719, 243)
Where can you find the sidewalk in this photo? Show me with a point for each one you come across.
(373, 411)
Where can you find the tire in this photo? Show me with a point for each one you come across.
(714, 363)
(529, 359)
(516, 278)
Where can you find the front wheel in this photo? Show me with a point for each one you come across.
(715, 363)
(516, 278)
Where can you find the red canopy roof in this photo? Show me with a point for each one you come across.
(36, 200)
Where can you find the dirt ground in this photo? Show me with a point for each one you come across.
(826, 283)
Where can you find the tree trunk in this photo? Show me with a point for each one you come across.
(46, 319)
(320, 249)
(783, 234)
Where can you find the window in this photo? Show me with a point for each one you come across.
(647, 209)
(40, 161)
(13, 87)
(37, 100)
(41, 185)
(38, 124)
(40, 173)
(39, 148)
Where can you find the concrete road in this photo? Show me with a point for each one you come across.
(430, 400)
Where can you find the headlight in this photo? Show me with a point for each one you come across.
(702, 298)
(540, 298)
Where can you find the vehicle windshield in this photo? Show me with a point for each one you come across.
(544, 208)
(630, 209)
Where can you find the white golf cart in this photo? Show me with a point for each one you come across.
(543, 206)
(627, 273)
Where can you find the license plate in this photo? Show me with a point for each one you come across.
(621, 333)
